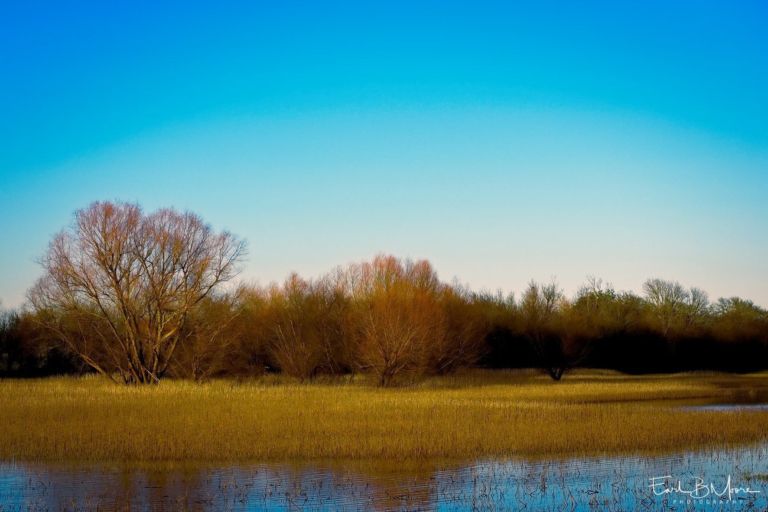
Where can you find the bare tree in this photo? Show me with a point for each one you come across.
(462, 332)
(696, 307)
(119, 284)
(739, 319)
(396, 328)
(540, 310)
(675, 308)
(307, 325)
(211, 334)
(397, 315)
(667, 300)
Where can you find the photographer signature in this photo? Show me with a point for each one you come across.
(661, 485)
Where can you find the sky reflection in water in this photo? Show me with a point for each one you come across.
(609, 483)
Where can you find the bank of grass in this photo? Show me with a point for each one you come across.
(479, 414)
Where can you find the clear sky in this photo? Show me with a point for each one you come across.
(503, 141)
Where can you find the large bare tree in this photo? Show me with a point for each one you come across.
(119, 284)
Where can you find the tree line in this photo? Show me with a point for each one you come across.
(138, 297)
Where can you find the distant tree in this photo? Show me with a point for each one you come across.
(460, 341)
(668, 300)
(26, 351)
(307, 332)
(119, 285)
(603, 311)
(211, 337)
(397, 315)
(505, 344)
(676, 309)
(540, 311)
(594, 307)
(737, 319)
(10, 347)
(253, 327)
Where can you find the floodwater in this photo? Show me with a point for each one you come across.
(729, 479)
(727, 407)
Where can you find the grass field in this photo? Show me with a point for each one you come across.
(478, 414)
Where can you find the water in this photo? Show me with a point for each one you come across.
(606, 483)
(727, 407)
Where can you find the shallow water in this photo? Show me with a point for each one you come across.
(727, 407)
(607, 483)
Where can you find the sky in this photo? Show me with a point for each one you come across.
(503, 141)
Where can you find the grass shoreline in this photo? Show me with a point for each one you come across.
(480, 414)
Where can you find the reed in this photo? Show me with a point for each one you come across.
(477, 414)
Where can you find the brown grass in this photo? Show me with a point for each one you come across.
(479, 414)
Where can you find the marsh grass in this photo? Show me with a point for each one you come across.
(477, 414)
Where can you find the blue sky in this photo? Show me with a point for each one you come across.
(503, 142)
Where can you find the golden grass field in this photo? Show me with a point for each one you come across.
(478, 414)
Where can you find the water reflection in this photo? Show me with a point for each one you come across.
(609, 483)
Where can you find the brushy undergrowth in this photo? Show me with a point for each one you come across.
(478, 414)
